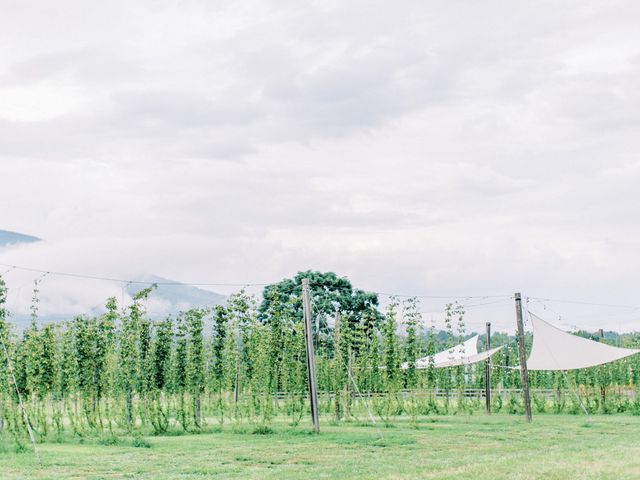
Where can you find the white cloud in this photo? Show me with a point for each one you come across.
(422, 148)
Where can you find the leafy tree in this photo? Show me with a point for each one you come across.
(329, 294)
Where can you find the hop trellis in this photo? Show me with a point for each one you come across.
(121, 371)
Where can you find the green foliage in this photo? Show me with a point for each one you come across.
(218, 341)
(329, 293)
(161, 354)
(263, 430)
(139, 442)
(390, 345)
(412, 316)
(122, 373)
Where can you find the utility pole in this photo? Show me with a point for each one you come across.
(524, 374)
(487, 372)
(311, 367)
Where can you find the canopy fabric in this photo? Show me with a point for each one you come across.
(468, 347)
(468, 360)
(464, 353)
(554, 349)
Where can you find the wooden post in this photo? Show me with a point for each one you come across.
(311, 367)
(337, 355)
(487, 372)
(347, 385)
(603, 388)
(524, 374)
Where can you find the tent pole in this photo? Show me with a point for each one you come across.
(487, 372)
(524, 374)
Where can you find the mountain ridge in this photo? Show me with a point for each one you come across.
(8, 237)
(169, 298)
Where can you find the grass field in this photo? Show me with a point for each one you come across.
(453, 447)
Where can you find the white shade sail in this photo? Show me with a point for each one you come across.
(468, 347)
(464, 353)
(554, 349)
(469, 360)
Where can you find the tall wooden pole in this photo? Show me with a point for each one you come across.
(337, 355)
(311, 366)
(524, 374)
(347, 386)
(487, 372)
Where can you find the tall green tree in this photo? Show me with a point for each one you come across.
(329, 294)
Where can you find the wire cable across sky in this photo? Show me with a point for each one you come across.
(480, 298)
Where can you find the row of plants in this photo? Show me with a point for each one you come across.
(123, 372)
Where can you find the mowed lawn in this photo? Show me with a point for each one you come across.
(451, 447)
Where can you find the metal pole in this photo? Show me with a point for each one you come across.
(311, 367)
(487, 372)
(524, 373)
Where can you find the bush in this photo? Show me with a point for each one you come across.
(496, 403)
(540, 403)
(263, 430)
(514, 406)
(109, 440)
(558, 403)
(140, 442)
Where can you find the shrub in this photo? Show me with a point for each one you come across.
(140, 442)
(263, 430)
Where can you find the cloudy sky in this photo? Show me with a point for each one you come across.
(435, 148)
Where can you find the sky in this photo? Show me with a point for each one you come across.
(461, 149)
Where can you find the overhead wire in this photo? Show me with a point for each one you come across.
(7, 271)
(128, 281)
(579, 302)
(441, 297)
(496, 299)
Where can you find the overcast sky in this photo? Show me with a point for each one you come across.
(437, 148)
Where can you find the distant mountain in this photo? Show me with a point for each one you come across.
(172, 299)
(13, 238)
(178, 295)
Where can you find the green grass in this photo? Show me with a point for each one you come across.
(448, 447)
